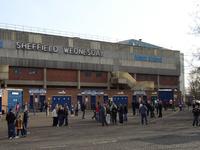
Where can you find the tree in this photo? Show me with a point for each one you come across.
(194, 83)
(194, 75)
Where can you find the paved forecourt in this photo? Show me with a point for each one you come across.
(173, 131)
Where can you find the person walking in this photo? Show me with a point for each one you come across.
(121, 112)
(160, 106)
(25, 122)
(196, 113)
(113, 113)
(10, 118)
(103, 115)
(83, 107)
(55, 117)
(66, 116)
(125, 111)
(134, 107)
(143, 113)
(60, 116)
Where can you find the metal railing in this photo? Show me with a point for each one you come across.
(55, 32)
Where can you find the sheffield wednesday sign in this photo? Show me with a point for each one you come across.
(55, 49)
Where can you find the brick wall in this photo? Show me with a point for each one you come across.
(146, 77)
(61, 75)
(93, 77)
(21, 73)
(169, 80)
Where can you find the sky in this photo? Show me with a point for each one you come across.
(166, 23)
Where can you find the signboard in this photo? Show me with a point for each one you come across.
(37, 91)
(92, 92)
(155, 59)
(55, 49)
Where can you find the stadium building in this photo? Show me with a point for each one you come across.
(36, 67)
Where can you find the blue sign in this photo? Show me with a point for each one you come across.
(1, 44)
(155, 59)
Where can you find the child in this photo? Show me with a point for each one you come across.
(19, 126)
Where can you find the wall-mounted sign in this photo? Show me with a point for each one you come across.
(155, 59)
(37, 91)
(92, 92)
(56, 49)
(139, 93)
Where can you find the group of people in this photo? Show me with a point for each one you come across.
(106, 113)
(17, 122)
(60, 115)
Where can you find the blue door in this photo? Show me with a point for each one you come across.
(14, 97)
(93, 102)
(61, 100)
(105, 99)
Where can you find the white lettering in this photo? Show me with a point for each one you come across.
(18, 46)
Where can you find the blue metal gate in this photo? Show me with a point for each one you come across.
(61, 100)
(120, 100)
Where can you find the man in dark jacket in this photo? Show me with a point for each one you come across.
(143, 112)
(10, 118)
(195, 112)
(25, 122)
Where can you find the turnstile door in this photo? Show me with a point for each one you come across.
(31, 102)
(80, 99)
(93, 102)
(41, 102)
(105, 99)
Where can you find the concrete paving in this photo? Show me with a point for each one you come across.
(173, 131)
